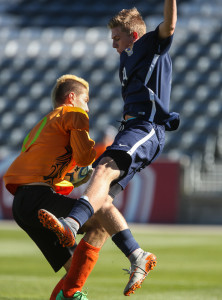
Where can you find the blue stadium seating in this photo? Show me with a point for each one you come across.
(39, 41)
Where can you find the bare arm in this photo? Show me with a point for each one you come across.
(167, 28)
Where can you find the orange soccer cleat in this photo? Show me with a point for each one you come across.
(138, 272)
(59, 226)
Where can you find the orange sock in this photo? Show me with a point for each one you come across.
(56, 290)
(83, 261)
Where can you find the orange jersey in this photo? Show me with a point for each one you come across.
(60, 140)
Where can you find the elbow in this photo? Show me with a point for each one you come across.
(167, 29)
(171, 28)
(173, 25)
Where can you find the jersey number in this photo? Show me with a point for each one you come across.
(124, 76)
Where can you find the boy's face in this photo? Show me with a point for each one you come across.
(121, 39)
(81, 100)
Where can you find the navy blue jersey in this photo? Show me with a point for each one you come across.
(145, 74)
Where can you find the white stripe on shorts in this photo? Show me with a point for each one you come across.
(140, 142)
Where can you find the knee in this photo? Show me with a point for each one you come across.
(107, 169)
(107, 206)
(93, 224)
(96, 234)
(100, 232)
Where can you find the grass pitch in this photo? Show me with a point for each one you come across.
(189, 266)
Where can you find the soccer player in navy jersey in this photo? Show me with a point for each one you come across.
(145, 74)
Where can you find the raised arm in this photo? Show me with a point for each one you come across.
(167, 28)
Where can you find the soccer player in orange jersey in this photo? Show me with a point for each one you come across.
(60, 140)
(49, 151)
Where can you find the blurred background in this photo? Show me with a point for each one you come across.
(42, 40)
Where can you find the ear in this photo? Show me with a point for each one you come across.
(71, 98)
(135, 36)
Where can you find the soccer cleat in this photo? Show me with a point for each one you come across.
(76, 296)
(58, 226)
(138, 271)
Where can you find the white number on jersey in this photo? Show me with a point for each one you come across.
(124, 76)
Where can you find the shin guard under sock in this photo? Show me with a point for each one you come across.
(57, 289)
(125, 241)
(82, 211)
(84, 259)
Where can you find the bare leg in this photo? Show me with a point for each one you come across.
(111, 218)
(68, 264)
(99, 185)
(95, 233)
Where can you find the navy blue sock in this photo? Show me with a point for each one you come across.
(82, 211)
(125, 241)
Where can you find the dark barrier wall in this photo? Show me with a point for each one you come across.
(151, 197)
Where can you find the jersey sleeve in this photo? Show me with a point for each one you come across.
(83, 147)
(162, 45)
(76, 122)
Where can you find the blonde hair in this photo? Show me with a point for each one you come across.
(129, 20)
(66, 84)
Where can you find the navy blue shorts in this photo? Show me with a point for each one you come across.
(142, 141)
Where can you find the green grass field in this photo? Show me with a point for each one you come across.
(189, 266)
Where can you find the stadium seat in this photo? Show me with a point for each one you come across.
(39, 45)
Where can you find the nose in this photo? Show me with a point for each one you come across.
(114, 44)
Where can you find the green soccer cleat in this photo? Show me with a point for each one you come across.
(138, 272)
(76, 296)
